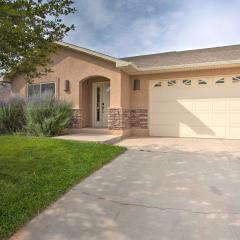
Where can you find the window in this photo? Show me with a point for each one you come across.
(171, 82)
(98, 104)
(221, 80)
(159, 84)
(187, 82)
(136, 84)
(201, 82)
(34, 90)
(236, 79)
(38, 90)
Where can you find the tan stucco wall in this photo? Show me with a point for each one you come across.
(77, 67)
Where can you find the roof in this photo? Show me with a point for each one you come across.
(93, 53)
(207, 55)
(208, 58)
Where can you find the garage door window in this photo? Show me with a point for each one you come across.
(236, 79)
(41, 89)
(159, 84)
(171, 83)
(220, 81)
(202, 82)
(187, 82)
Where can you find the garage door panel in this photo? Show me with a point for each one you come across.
(164, 130)
(234, 119)
(202, 106)
(199, 119)
(168, 107)
(234, 132)
(167, 118)
(162, 107)
(217, 132)
(219, 105)
(212, 111)
(184, 130)
(219, 119)
(234, 105)
(196, 131)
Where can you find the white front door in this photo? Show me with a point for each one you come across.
(101, 102)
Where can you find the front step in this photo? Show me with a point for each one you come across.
(96, 130)
(113, 140)
(89, 130)
(91, 137)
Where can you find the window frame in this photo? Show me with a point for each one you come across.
(40, 84)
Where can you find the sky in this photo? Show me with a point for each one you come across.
(122, 28)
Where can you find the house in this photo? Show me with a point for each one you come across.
(192, 93)
(5, 89)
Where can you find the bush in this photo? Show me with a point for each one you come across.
(12, 115)
(47, 116)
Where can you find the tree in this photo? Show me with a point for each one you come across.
(28, 32)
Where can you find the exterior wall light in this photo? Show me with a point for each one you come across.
(67, 86)
(136, 84)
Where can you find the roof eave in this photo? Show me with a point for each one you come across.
(132, 69)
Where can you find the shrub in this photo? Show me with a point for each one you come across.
(48, 116)
(12, 115)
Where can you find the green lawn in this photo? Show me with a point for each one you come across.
(36, 171)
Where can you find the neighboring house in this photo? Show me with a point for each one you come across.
(192, 93)
(5, 89)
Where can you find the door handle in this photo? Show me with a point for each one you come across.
(102, 107)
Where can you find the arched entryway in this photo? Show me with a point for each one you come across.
(95, 101)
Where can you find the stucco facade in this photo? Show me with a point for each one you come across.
(128, 108)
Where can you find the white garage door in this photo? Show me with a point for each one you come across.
(204, 108)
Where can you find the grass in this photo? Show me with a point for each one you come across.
(34, 172)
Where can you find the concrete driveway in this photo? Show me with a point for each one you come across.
(161, 189)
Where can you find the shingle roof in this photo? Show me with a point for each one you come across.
(206, 55)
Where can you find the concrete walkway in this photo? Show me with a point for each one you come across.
(161, 189)
(91, 137)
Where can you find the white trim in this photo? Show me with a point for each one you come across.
(132, 69)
